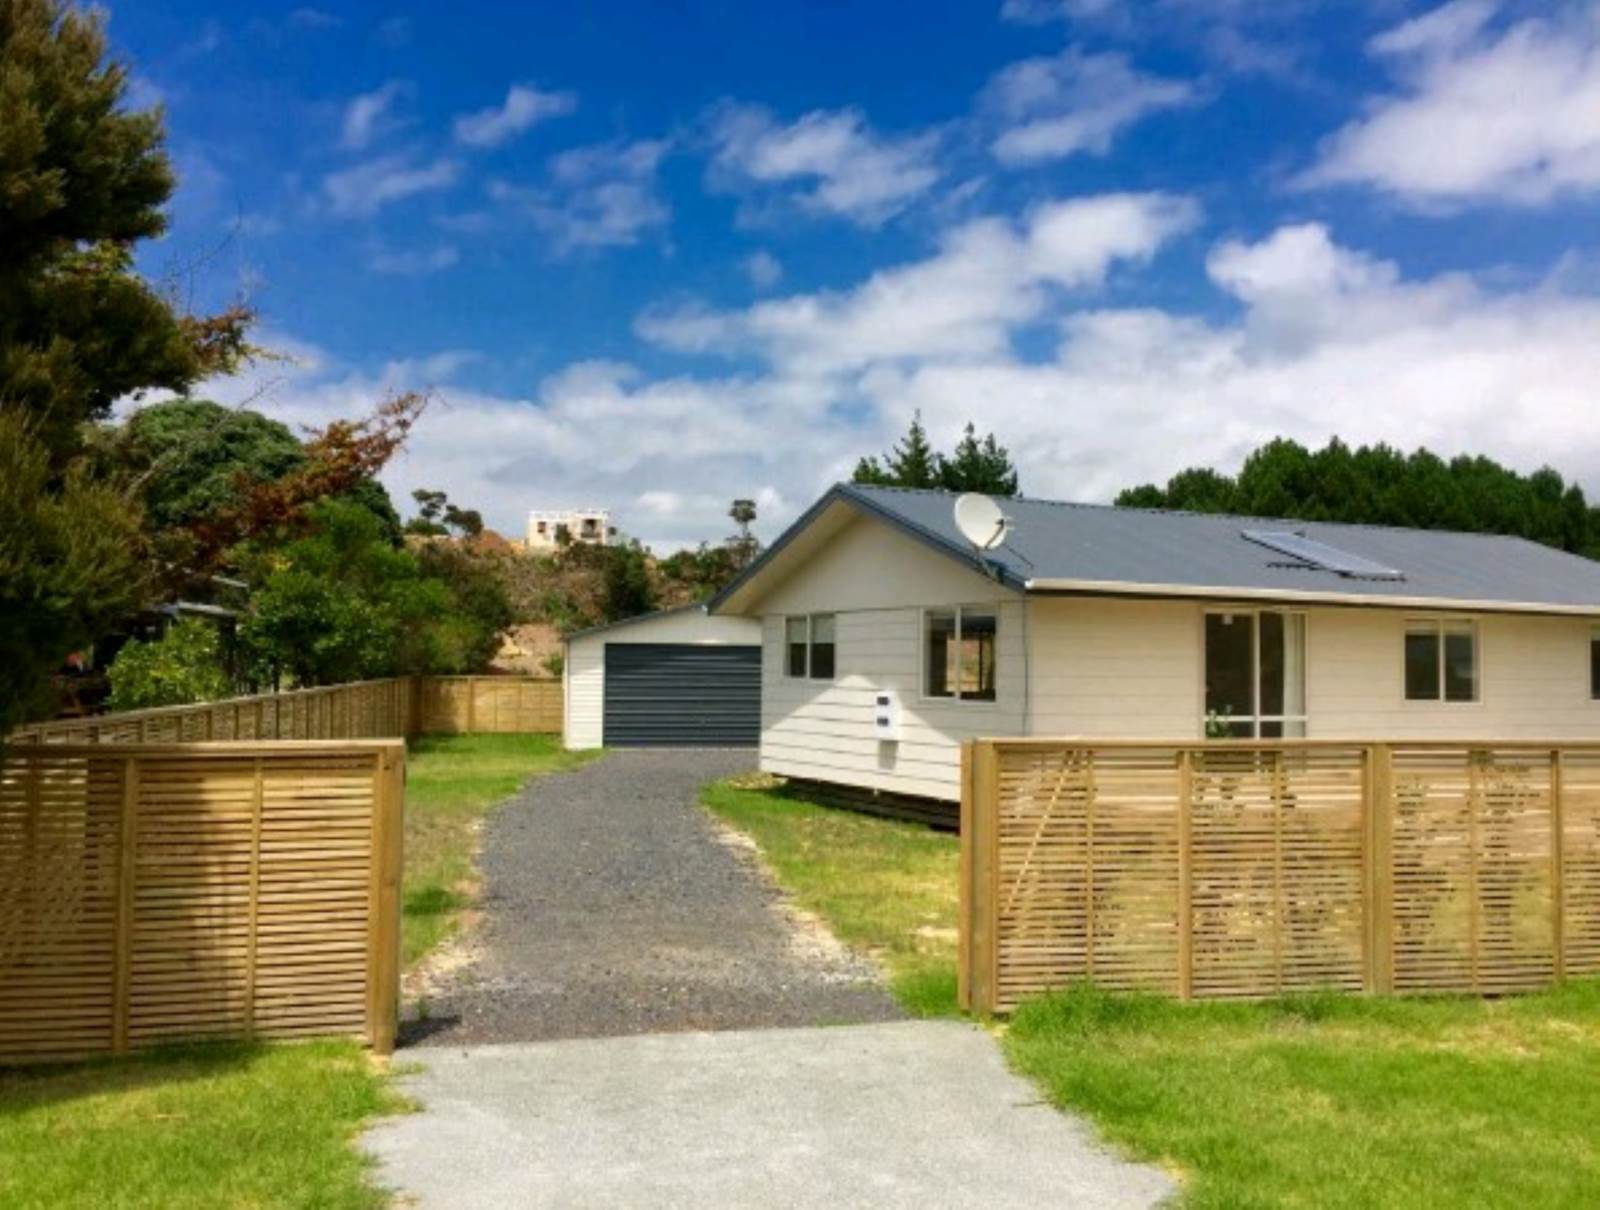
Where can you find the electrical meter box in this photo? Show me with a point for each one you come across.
(886, 714)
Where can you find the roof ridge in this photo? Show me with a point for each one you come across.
(1190, 512)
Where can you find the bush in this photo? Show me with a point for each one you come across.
(182, 666)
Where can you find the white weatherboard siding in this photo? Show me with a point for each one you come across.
(877, 581)
(1112, 667)
(583, 722)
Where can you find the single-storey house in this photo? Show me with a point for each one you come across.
(677, 678)
(888, 638)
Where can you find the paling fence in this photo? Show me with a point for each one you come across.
(155, 892)
(392, 708)
(1248, 869)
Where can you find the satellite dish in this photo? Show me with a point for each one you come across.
(980, 520)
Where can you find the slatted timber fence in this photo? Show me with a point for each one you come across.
(1248, 869)
(392, 708)
(156, 892)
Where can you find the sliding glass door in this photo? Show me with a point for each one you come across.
(1255, 674)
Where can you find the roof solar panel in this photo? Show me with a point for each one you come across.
(1320, 554)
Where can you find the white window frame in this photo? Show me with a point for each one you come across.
(1439, 624)
(1255, 719)
(810, 620)
(954, 696)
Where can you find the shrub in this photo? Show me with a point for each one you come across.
(182, 666)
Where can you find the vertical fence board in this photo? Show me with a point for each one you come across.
(1249, 869)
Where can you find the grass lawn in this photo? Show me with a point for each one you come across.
(884, 887)
(1336, 1101)
(216, 1126)
(452, 781)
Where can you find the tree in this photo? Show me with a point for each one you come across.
(1380, 485)
(69, 565)
(628, 591)
(184, 665)
(82, 178)
(340, 603)
(744, 545)
(975, 465)
(437, 517)
(911, 463)
(978, 466)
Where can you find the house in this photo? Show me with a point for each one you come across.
(547, 528)
(677, 678)
(888, 638)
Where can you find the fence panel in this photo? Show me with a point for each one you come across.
(1252, 869)
(152, 892)
(386, 709)
(455, 704)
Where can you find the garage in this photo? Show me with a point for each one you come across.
(678, 678)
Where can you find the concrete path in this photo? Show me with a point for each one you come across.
(613, 905)
(906, 1114)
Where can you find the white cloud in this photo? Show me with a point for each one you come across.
(524, 107)
(762, 268)
(1073, 102)
(1483, 115)
(989, 277)
(841, 165)
(413, 262)
(602, 196)
(1325, 340)
(370, 113)
(368, 187)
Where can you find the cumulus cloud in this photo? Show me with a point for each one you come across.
(832, 161)
(371, 113)
(1316, 339)
(369, 186)
(1071, 103)
(1483, 114)
(607, 195)
(989, 277)
(525, 106)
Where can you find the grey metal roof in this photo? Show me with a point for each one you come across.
(699, 606)
(1057, 546)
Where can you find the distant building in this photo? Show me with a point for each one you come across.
(550, 529)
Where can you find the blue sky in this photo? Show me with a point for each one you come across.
(658, 255)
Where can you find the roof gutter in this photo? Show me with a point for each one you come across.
(1127, 588)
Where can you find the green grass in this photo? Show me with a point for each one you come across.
(216, 1126)
(1336, 1100)
(884, 887)
(452, 782)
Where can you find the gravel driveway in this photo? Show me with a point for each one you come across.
(614, 905)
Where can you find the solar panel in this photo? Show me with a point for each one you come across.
(1321, 555)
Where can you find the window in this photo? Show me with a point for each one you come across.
(809, 646)
(1255, 674)
(1441, 661)
(1594, 662)
(960, 648)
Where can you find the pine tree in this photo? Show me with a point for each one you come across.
(979, 466)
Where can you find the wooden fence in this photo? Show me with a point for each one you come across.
(384, 709)
(156, 892)
(1240, 868)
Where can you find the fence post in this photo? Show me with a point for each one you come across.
(980, 846)
(383, 934)
(964, 887)
(127, 872)
(472, 704)
(1380, 861)
(1185, 874)
(1558, 888)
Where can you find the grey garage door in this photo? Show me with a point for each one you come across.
(682, 695)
